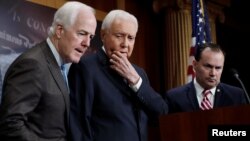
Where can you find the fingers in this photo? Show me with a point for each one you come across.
(119, 59)
(118, 56)
(120, 63)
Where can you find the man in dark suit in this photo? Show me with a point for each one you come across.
(111, 99)
(35, 104)
(208, 66)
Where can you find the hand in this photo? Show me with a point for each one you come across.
(121, 64)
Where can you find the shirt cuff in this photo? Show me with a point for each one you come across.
(137, 86)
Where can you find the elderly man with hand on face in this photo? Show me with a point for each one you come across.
(111, 98)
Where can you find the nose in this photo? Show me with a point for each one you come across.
(125, 42)
(86, 41)
(212, 71)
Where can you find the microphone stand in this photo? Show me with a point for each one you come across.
(244, 89)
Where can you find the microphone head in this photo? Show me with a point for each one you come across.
(234, 72)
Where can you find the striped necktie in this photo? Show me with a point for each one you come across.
(205, 103)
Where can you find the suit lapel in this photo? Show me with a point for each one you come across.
(56, 74)
(115, 78)
(218, 99)
(192, 96)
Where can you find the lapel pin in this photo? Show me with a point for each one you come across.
(218, 90)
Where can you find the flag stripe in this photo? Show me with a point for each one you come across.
(200, 32)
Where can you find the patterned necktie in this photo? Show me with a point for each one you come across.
(64, 73)
(205, 103)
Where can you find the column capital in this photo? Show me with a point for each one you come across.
(216, 10)
(215, 7)
(158, 5)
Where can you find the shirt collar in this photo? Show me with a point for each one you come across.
(199, 89)
(104, 49)
(55, 52)
(59, 60)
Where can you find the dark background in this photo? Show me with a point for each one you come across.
(233, 36)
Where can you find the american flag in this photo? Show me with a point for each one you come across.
(200, 31)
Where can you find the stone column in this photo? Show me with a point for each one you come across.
(178, 33)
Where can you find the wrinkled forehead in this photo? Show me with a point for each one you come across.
(124, 26)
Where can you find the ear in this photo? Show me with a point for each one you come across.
(102, 35)
(194, 64)
(59, 31)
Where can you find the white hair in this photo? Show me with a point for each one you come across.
(66, 14)
(117, 14)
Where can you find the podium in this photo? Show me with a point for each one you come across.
(193, 126)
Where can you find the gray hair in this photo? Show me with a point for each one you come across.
(117, 14)
(66, 15)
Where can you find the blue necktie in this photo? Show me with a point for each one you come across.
(64, 73)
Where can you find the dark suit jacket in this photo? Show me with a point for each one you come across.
(35, 104)
(104, 108)
(183, 99)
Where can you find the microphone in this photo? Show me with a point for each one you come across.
(236, 75)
